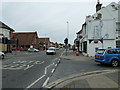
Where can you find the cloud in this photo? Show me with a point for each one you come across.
(47, 17)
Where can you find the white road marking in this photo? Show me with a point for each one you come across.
(62, 54)
(38, 62)
(29, 86)
(31, 61)
(46, 81)
(55, 64)
(52, 70)
(48, 67)
(28, 66)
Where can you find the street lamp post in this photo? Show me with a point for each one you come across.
(67, 37)
(67, 29)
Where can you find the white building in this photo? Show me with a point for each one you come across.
(100, 30)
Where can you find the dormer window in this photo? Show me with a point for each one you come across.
(114, 7)
(99, 16)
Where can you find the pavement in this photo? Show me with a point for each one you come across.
(96, 79)
(72, 56)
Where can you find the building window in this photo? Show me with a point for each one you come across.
(99, 16)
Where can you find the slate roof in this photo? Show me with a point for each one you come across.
(2, 25)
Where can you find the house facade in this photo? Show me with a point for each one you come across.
(6, 34)
(100, 30)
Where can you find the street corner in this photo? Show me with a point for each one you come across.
(87, 79)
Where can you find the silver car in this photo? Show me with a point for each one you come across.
(33, 50)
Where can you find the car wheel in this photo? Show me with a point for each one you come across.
(114, 63)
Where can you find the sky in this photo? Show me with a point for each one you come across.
(48, 17)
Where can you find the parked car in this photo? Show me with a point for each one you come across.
(33, 50)
(2, 55)
(51, 50)
(108, 56)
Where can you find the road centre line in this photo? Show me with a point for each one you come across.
(62, 53)
(52, 70)
(46, 81)
(48, 67)
(55, 64)
(29, 86)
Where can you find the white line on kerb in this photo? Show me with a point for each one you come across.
(46, 81)
(29, 86)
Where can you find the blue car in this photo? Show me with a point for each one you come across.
(108, 56)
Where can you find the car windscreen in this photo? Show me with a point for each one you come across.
(100, 51)
(51, 49)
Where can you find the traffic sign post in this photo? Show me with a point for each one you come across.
(66, 43)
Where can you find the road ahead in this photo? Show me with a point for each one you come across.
(36, 70)
(28, 70)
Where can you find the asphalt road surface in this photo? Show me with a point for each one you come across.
(28, 70)
(35, 70)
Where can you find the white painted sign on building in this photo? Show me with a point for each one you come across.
(98, 29)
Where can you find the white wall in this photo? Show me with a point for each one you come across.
(99, 45)
(109, 43)
(92, 46)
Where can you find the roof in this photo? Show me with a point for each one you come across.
(25, 38)
(2, 25)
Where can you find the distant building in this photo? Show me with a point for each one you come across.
(61, 45)
(100, 30)
(6, 34)
(25, 40)
(43, 43)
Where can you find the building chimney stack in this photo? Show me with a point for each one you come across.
(98, 6)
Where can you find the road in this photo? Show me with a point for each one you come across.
(35, 70)
(28, 70)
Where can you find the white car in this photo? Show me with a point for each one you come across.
(51, 50)
(2, 55)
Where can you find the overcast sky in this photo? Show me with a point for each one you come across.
(48, 18)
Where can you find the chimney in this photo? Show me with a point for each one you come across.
(98, 6)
